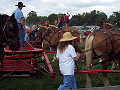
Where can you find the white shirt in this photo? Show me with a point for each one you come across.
(66, 62)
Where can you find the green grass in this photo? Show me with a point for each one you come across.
(44, 82)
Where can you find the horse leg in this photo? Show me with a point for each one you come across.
(119, 63)
(104, 75)
(115, 64)
(1, 53)
(54, 58)
(88, 45)
(89, 61)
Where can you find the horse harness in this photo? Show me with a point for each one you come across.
(111, 54)
(47, 32)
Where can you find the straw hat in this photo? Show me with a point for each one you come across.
(20, 4)
(67, 36)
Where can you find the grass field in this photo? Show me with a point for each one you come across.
(44, 82)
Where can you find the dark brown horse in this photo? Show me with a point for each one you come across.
(50, 37)
(8, 33)
(105, 45)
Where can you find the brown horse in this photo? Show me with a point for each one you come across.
(104, 45)
(50, 37)
(8, 33)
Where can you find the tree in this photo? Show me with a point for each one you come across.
(92, 18)
(115, 19)
(31, 18)
(52, 18)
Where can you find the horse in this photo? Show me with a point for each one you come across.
(105, 45)
(8, 34)
(50, 37)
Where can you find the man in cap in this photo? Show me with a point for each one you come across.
(20, 20)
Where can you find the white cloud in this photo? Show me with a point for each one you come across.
(46, 7)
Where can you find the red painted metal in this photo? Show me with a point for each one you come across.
(17, 65)
(25, 60)
(96, 71)
(54, 52)
(49, 65)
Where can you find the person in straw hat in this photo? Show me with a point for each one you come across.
(21, 26)
(66, 55)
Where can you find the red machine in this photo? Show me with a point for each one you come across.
(30, 61)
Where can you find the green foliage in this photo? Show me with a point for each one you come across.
(92, 18)
(31, 18)
(52, 18)
(115, 19)
(87, 18)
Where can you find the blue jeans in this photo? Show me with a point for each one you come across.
(69, 82)
(33, 34)
(21, 35)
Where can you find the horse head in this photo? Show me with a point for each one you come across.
(10, 33)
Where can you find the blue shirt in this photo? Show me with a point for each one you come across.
(18, 14)
(26, 37)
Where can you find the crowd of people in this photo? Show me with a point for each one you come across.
(66, 53)
(59, 23)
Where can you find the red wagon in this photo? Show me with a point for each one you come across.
(30, 61)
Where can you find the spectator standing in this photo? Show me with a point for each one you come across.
(21, 26)
(27, 36)
(34, 30)
(60, 23)
(66, 19)
(66, 55)
(47, 23)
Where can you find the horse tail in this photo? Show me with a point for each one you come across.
(88, 46)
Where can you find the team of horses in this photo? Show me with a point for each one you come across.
(103, 43)
(50, 37)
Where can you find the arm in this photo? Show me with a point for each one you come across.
(77, 57)
(68, 14)
(22, 22)
(56, 58)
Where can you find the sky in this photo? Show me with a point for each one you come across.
(73, 7)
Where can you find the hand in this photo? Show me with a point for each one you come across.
(78, 54)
